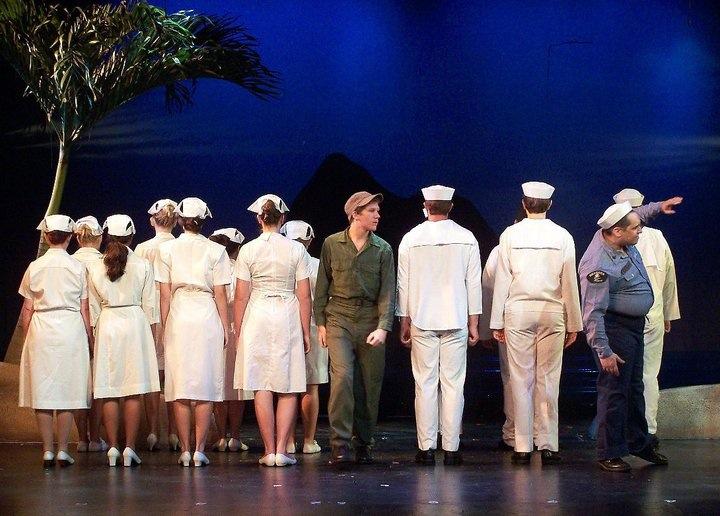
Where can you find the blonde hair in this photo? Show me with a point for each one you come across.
(85, 237)
(166, 217)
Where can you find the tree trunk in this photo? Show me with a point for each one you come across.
(57, 191)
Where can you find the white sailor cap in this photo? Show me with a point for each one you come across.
(92, 223)
(630, 195)
(295, 229)
(159, 205)
(233, 234)
(119, 225)
(256, 207)
(613, 214)
(57, 223)
(537, 190)
(438, 193)
(191, 207)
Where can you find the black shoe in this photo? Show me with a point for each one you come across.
(616, 465)
(425, 457)
(521, 457)
(363, 455)
(654, 442)
(453, 458)
(503, 446)
(340, 455)
(550, 457)
(650, 455)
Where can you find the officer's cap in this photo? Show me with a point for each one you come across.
(613, 214)
(438, 193)
(537, 190)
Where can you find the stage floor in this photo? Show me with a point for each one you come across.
(487, 482)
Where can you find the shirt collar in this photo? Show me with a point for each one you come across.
(373, 239)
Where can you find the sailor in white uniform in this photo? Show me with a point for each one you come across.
(55, 319)
(316, 360)
(536, 313)
(660, 266)
(124, 363)
(439, 301)
(163, 219)
(232, 408)
(272, 307)
(193, 273)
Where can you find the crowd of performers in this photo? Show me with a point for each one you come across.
(216, 323)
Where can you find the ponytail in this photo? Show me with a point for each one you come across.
(116, 255)
(270, 215)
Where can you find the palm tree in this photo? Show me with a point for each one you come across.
(81, 63)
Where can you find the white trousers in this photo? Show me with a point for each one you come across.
(439, 358)
(508, 428)
(535, 343)
(652, 356)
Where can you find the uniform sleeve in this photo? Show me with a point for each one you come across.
(242, 268)
(84, 283)
(222, 271)
(595, 301)
(94, 299)
(386, 298)
(501, 288)
(570, 295)
(473, 281)
(24, 289)
(322, 285)
(149, 295)
(671, 307)
(402, 308)
(302, 268)
(488, 282)
(649, 211)
(161, 266)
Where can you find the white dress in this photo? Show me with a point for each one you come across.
(88, 255)
(232, 394)
(148, 250)
(193, 335)
(271, 341)
(316, 361)
(55, 362)
(124, 358)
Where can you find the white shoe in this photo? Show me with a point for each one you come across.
(113, 454)
(267, 460)
(284, 460)
(151, 441)
(312, 447)
(82, 446)
(290, 448)
(237, 445)
(48, 459)
(96, 446)
(130, 458)
(220, 446)
(185, 459)
(200, 459)
(174, 442)
(64, 459)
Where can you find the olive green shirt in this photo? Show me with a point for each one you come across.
(364, 278)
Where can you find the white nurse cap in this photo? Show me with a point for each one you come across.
(295, 229)
(192, 207)
(57, 223)
(630, 195)
(159, 205)
(119, 225)
(233, 234)
(256, 207)
(92, 223)
(537, 190)
(438, 193)
(613, 214)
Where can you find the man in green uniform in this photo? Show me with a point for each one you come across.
(354, 307)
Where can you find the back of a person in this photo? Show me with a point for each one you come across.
(272, 260)
(190, 259)
(149, 248)
(536, 251)
(127, 289)
(56, 281)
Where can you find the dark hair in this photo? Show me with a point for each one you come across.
(57, 237)
(116, 254)
(230, 246)
(192, 224)
(167, 217)
(438, 207)
(270, 215)
(623, 223)
(535, 205)
(521, 213)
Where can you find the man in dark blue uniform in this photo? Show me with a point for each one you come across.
(616, 297)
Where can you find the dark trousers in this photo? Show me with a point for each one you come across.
(622, 427)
